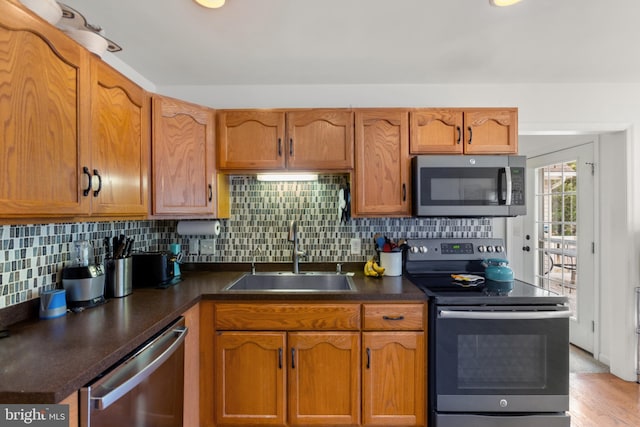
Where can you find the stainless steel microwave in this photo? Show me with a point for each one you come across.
(468, 186)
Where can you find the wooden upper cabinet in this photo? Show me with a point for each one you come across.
(436, 131)
(183, 158)
(464, 131)
(491, 131)
(314, 140)
(119, 143)
(251, 140)
(44, 94)
(320, 140)
(382, 163)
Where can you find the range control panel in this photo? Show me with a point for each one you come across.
(454, 249)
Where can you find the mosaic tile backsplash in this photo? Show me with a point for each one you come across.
(34, 255)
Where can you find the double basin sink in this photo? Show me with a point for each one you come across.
(291, 282)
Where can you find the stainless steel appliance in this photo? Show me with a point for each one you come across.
(498, 352)
(84, 286)
(469, 186)
(82, 280)
(145, 389)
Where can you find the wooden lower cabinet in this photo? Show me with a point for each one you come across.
(329, 367)
(393, 372)
(324, 378)
(250, 378)
(263, 376)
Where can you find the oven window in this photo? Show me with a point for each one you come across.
(502, 362)
(465, 189)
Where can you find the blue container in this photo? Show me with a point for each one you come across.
(53, 304)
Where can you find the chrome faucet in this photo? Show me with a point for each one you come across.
(296, 253)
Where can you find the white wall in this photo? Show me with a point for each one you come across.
(543, 109)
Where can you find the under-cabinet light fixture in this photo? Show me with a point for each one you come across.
(211, 4)
(501, 3)
(287, 177)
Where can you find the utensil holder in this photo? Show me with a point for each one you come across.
(392, 263)
(119, 277)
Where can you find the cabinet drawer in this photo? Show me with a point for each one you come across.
(282, 317)
(394, 317)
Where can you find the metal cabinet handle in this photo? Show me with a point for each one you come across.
(404, 192)
(459, 135)
(291, 147)
(85, 171)
(393, 318)
(280, 358)
(293, 358)
(210, 192)
(97, 191)
(279, 147)
(368, 358)
(470, 134)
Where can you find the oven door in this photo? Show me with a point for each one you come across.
(504, 359)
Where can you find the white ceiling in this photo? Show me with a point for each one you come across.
(177, 42)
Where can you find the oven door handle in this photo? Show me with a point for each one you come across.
(136, 369)
(504, 315)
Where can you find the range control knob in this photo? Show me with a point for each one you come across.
(413, 249)
(489, 248)
(423, 249)
(499, 248)
(481, 248)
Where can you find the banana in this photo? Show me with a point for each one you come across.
(378, 269)
(372, 269)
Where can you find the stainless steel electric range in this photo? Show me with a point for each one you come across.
(498, 351)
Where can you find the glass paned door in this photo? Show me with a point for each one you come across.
(559, 233)
(557, 229)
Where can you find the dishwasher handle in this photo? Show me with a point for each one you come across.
(504, 315)
(136, 369)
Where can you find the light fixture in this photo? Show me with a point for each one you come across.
(211, 4)
(270, 177)
(501, 3)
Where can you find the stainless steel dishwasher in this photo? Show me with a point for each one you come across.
(145, 389)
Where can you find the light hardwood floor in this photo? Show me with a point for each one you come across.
(603, 400)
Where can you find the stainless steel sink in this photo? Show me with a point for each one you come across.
(290, 282)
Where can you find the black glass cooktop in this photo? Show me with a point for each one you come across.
(443, 289)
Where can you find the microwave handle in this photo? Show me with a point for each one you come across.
(506, 171)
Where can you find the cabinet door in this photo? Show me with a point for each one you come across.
(251, 140)
(324, 378)
(250, 378)
(491, 131)
(393, 389)
(320, 140)
(183, 158)
(44, 94)
(119, 143)
(436, 131)
(382, 163)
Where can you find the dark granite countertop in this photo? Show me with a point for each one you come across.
(44, 361)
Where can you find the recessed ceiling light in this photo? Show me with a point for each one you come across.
(211, 4)
(501, 3)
